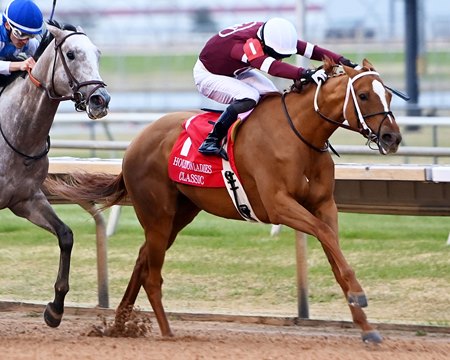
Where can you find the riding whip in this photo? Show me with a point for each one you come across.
(53, 11)
(400, 94)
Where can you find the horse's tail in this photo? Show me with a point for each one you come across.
(81, 187)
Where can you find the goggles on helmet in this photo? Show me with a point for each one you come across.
(19, 35)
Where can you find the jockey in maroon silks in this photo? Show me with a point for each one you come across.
(229, 69)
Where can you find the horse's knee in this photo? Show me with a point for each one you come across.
(65, 238)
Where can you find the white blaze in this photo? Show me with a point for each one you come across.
(379, 89)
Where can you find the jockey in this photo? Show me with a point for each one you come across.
(226, 69)
(22, 21)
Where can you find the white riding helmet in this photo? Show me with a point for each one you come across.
(280, 35)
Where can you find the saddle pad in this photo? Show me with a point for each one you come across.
(186, 164)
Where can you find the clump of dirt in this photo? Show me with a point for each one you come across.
(130, 323)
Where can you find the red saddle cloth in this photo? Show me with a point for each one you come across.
(187, 165)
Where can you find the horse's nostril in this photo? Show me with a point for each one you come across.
(391, 138)
(97, 100)
(387, 138)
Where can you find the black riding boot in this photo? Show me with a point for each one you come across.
(212, 144)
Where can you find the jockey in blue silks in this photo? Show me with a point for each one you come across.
(22, 22)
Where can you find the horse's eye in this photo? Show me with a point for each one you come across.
(70, 55)
(363, 96)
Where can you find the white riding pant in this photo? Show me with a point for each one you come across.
(250, 84)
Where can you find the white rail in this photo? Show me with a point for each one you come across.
(143, 118)
(147, 117)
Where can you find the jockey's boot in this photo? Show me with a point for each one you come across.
(212, 144)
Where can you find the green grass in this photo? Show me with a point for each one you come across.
(226, 266)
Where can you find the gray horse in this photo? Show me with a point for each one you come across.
(66, 70)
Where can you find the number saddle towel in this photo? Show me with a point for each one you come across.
(188, 166)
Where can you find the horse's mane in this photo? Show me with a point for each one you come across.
(47, 38)
(330, 67)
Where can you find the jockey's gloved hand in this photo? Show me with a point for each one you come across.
(21, 56)
(344, 61)
(316, 75)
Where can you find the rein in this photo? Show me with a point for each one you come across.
(297, 133)
(27, 157)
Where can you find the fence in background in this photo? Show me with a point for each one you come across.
(143, 119)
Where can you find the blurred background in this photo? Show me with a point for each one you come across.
(149, 47)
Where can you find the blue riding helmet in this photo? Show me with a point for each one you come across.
(25, 16)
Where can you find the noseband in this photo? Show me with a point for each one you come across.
(362, 128)
(77, 97)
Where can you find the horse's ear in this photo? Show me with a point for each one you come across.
(350, 71)
(328, 65)
(368, 65)
(80, 29)
(57, 33)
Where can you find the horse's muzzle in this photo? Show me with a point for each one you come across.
(389, 142)
(97, 105)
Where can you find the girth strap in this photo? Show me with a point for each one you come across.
(237, 193)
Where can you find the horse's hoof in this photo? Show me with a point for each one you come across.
(372, 337)
(51, 316)
(357, 300)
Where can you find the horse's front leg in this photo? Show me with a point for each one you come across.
(287, 211)
(328, 213)
(323, 225)
(38, 210)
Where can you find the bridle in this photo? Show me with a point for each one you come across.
(362, 128)
(77, 97)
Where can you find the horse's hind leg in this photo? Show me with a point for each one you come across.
(39, 212)
(147, 272)
(186, 212)
(125, 307)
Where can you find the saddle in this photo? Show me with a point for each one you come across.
(190, 167)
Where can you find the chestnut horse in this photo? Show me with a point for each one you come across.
(285, 166)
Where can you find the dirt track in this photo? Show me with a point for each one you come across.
(24, 336)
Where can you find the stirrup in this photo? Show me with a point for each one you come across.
(223, 153)
(209, 147)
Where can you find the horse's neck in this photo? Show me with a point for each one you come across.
(26, 112)
(330, 103)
